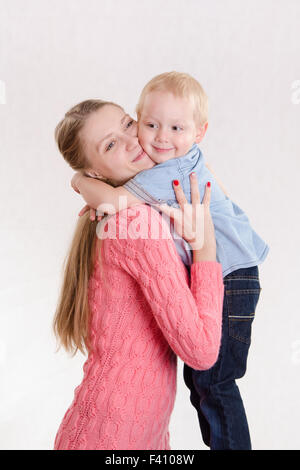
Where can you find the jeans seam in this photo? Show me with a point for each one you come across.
(242, 317)
(242, 291)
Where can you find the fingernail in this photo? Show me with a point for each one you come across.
(208, 184)
(176, 182)
(193, 174)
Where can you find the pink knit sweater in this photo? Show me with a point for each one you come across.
(143, 314)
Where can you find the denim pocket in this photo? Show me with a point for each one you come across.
(241, 312)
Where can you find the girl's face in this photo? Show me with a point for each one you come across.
(109, 138)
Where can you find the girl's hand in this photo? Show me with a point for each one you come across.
(193, 221)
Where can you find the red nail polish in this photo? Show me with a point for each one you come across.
(176, 182)
(208, 184)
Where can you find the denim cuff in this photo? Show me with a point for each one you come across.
(139, 192)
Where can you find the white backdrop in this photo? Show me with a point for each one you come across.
(59, 52)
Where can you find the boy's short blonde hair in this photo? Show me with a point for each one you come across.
(182, 85)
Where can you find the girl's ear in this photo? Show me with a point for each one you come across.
(93, 174)
(201, 132)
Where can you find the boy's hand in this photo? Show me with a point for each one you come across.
(74, 183)
(92, 213)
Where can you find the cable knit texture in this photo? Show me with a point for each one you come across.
(143, 314)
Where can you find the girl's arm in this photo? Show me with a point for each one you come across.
(189, 318)
(103, 196)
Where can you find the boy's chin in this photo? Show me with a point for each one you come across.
(160, 159)
(147, 163)
(151, 160)
(150, 163)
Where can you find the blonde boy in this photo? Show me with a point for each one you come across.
(172, 115)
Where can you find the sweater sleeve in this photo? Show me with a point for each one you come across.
(190, 318)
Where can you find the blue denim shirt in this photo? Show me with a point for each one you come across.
(238, 245)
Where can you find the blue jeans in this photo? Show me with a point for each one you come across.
(214, 393)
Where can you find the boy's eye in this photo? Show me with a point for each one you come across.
(129, 123)
(151, 125)
(177, 128)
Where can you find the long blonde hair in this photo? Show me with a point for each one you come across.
(71, 320)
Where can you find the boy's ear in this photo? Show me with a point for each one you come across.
(201, 132)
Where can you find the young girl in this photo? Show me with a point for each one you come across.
(127, 300)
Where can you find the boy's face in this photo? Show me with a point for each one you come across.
(166, 128)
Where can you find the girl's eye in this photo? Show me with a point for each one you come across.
(176, 128)
(130, 123)
(152, 126)
(110, 146)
